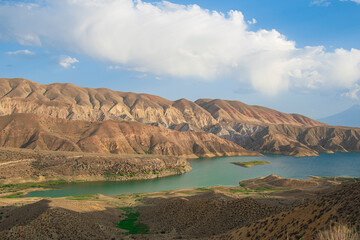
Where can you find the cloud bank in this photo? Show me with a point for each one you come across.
(183, 41)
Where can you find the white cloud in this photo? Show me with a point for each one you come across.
(353, 93)
(67, 61)
(113, 67)
(141, 76)
(252, 21)
(181, 41)
(356, 1)
(21, 52)
(324, 3)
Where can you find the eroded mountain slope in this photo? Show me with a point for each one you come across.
(47, 133)
(72, 102)
(252, 127)
(290, 139)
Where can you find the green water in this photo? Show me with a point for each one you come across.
(220, 171)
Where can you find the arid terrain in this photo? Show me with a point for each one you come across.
(27, 166)
(113, 137)
(264, 208)
(58, 133)
(254, 128)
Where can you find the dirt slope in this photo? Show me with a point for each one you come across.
(238, 112)
(25, 165)
(204, 215)
(290, 139)
(340, 206)
(252, 127)
(117, 137)
(49, 219)
(72, 102)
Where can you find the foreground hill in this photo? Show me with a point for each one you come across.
(118, 137)
(340, 206)
(255, 128)
(349, 117)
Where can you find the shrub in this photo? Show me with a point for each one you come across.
(339, 232)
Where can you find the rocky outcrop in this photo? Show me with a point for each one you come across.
(117, 137)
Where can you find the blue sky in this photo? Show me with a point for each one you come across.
(294, 56)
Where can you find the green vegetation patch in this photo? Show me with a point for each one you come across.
(15, 195)
(83, 197)
(247, 191)
(270, 189)
(241, 190)
(22, 186)
(131, 223)
(344, 179)
(251, 163)
(349, 179)
(203, 189)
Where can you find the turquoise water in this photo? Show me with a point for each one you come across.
(220, 171)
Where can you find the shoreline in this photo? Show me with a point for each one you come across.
(52, 182)
(25, 185)
(222, 209)
(335, 179)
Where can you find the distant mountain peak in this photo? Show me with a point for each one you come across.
(350, 117)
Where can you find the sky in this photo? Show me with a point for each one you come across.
(298, 56)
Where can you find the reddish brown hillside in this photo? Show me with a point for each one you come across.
(252, 127)
(235, 111)
(76, 103)
(47, 133)
(72, 102)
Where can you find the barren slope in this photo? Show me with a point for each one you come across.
(341, 206)
(252, 127)
(25, 165)
(73, 102)
(238, 112)
(118, 137)
(76, 103)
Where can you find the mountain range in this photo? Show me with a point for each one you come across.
(103, 120)
(350, 117)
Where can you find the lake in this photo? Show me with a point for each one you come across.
(219, 171)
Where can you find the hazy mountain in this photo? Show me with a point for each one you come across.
(349, 117)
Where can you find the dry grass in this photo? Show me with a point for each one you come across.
(339, 232)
